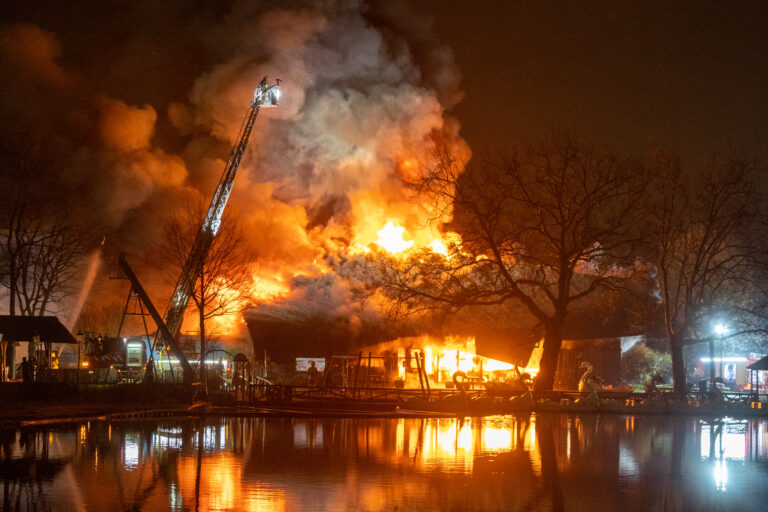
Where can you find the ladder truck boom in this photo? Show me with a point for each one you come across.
(138, 289)
(264, 96)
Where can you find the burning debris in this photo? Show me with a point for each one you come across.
(452, 362)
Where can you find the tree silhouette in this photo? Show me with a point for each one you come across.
(223, 282)
(545, 226)
(42, 244)
(704, 244)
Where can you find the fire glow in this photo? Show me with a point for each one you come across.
(391, 239)
(399, 241)
(442, 359)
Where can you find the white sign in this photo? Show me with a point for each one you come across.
(134, 353)
(303, 363)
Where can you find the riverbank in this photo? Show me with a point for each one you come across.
(51, 403)
(40, 413)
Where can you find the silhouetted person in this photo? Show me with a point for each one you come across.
(27, 370)
(149, 372)
(312, 374)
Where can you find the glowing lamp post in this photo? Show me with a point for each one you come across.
(720, 330)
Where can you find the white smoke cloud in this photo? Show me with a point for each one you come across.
(359, 106)
(354, 106)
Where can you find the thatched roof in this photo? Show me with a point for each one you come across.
(24, 328)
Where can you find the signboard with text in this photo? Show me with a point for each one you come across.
(134, 354)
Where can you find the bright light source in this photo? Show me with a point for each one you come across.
(391, 238)
(438, 247)
(720, 329)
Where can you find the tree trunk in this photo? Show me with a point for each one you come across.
(12, 287)
(678, 364)
(550, 474)
(12, 309)
(3, 359)
(202, 350)
(201, 309)
(553, 340)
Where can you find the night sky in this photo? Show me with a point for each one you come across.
(690, 76)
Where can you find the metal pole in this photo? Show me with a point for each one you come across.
(125, 311)
(426, 377)
(368, 375)
(328, 364)
(3, 349)
(721, 359)
(166, 333)
(79, 343)
(418, 368)
(357, 372)
(754, 386)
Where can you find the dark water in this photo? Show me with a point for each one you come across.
(517, 463)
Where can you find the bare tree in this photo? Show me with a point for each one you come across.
(101, 318)
(704, 232)
(47, 257)
(223, 284)
(41, 243)
(546, 227)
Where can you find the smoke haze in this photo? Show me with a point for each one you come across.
(141, 112)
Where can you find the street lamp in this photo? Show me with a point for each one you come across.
(720, 330)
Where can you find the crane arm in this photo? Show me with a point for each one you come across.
(264, 96)
(139, 290)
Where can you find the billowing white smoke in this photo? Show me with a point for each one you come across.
(354, 107)
(360, 105)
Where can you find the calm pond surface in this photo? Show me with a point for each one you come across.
(525, 463)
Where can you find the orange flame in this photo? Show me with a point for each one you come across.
(391, 239)
(458, 354)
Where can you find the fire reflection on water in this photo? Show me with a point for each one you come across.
(510, 463)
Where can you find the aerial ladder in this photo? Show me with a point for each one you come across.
(264, 96)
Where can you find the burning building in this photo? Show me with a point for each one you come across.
(324, 188)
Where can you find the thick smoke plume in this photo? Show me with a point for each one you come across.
(365, 93)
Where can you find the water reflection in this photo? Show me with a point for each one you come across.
(546, 462)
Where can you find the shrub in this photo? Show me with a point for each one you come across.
(640, 363)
